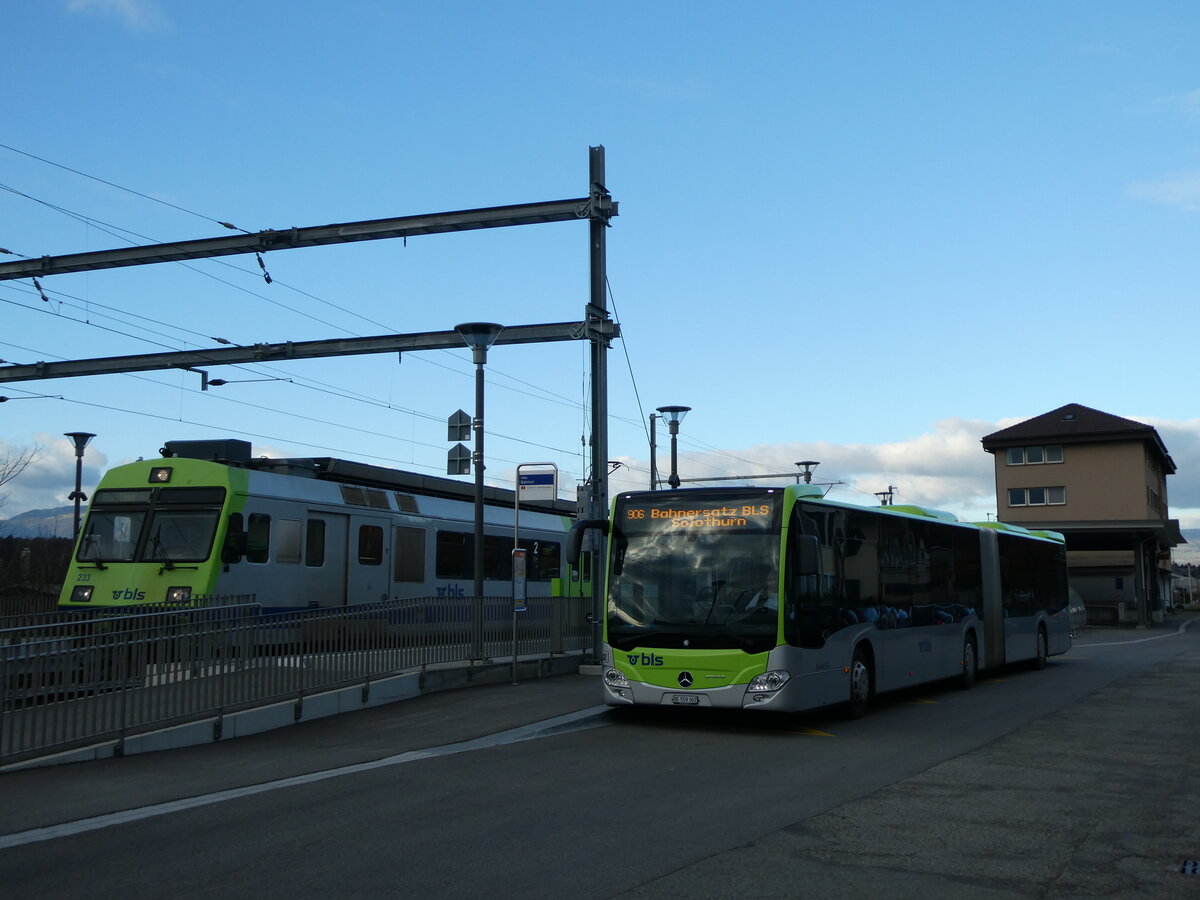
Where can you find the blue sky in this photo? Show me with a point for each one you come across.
(862, 233)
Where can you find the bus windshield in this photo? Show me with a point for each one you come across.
(695, 569)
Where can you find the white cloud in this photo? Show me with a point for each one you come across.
(1186, 104)
(138, 15)
(50, 478)
(1181, 190)
(944, 468)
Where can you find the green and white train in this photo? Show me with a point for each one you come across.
(207, 524)
(777, 599)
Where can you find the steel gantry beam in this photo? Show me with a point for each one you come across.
(599, 330)
(599, 205)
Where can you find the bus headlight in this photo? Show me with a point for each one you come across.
(768, 682)
(82, 593)
(179, 594)
(614, 678)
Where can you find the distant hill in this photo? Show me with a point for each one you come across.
(57, 522)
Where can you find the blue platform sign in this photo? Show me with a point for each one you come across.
(537, 486)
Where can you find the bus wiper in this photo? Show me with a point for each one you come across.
(717, 585)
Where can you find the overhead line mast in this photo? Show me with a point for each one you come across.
(598, 207)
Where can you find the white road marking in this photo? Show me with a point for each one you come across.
(576, 721)
(1157, 637)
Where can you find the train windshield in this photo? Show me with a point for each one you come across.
(164, 525)
(695, 569)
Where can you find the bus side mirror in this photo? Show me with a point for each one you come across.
(234, 548)
(808, 555)
(576, 534)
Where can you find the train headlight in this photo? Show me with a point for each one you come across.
(768, 682)
(82, 593)
(614, 678)
(160, 474)
(179, 594)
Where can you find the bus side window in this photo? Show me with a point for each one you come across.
(896, 557)
(258, 538)
(806, 620)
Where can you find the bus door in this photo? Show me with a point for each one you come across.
(368, 559)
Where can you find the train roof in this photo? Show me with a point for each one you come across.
(236, 453)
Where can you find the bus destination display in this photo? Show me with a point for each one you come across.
(752, 515)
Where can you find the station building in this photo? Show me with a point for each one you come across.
(1100, 480)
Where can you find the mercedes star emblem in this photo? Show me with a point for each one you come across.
(685, 679)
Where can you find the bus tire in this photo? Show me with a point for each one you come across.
(970, 664)
(1042, 652)
(861, 678)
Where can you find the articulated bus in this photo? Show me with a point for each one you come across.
(777, 599)
(209, 525)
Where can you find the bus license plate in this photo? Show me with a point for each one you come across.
(686, 699)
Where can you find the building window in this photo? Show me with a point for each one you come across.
(1037, 496)
(1034, 456)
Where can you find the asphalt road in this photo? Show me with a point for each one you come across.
(1075, 781)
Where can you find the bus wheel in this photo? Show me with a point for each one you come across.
(1039, 660)
(860, 685)
(970, 665)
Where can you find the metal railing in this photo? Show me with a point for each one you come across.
(68, 681)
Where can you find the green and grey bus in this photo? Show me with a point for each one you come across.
(778, 599)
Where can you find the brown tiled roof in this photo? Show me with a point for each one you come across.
(1075, 422)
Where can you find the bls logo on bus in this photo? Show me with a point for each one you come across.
(645, 659)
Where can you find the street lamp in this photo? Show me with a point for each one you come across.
(809, 465)
(479, 336)
(654, 417)
(81, 440)
(674, 415)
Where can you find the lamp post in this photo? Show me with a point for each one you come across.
(674, 415)
(479, 336)
(81, 440)
(654, 417)
(809, 465)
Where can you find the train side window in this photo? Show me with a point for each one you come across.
(314, 543)
(370, 545)
(287, 541)
(497, 557)
(454, 555)
(408, 563)
(258, 538)
(543, 559)
(235, 540)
